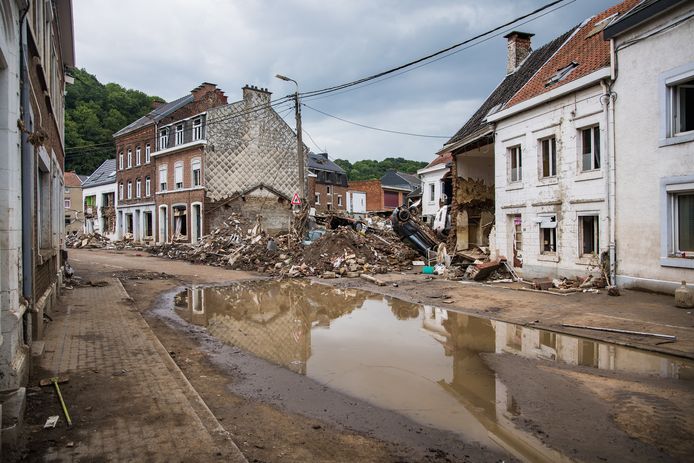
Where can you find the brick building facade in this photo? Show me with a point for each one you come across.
(327, 183)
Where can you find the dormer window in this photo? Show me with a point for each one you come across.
(163, 139)
(179, 135)
(197, 128)
(561, 74)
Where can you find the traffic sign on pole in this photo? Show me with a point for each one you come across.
(296, 201)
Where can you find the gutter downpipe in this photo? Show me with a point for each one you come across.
(607, 101)
(27, 167)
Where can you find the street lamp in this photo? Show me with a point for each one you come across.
(299, 143)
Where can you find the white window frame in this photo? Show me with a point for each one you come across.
(432, 192)
(138, 156)
(164, 138)
(195, 164)
(163, 186)
(130, 189)
(592, 153)
(197, 128)
(178, 175)
(148, 153)
(339, 200)
(148, 186)
(317, 198)
(551, 143)
(130, 158)
(178, 138)
(120, 161)
(670, 189)
(515, 153)
(543, 225)
(67, 203)
(596, 234)
(668, 82)
(120, 190)
(138, 188)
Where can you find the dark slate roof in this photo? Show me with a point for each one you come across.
(101, 175)
(156, 114)
(642, 12)
(320, 161)
(508, 87)
(402, 180)
(83, 177)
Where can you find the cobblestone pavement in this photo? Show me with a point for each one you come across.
(128, 399)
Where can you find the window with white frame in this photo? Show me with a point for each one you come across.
(120, 190)
(148, 153)
(178, 175)
(120, 161)
(548, 150)
(590, 148)
(339, 200)
(327, 189)
(163, 139)
(196, 171)
(179, 135)
(317, 199)
(138, 188)
(681, 107)
(515, 159)
(548, 234)
(67, 203)
(148, 186)
(432, 192)
(681, 219)
(130, 189)
(162, 178)
(130, 158)
(138, 156)
(588, 235)
(197, 128)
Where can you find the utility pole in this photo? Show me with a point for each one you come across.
(299, 142)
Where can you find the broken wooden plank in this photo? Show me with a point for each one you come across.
(615, 330)
(373, 280)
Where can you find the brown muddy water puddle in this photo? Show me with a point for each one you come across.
(417, 360)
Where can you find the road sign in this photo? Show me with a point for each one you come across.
(296, 201)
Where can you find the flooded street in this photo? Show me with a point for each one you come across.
(492, 383)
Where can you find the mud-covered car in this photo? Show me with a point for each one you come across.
(412, 232)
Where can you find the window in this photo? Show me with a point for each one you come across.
(179, 135)
(682, 107)
(196, 171)
(130, 158)
(138, 188)
(197, 128)
(148, 186)
(516, 161)
(148, 153)
(130, 189)
(120, 190)
(339, 200)
(590, 148)
(548, 234)
(327, 189)
(138, 156)
(163, 139)
(432, 192)
(120, 160)
(178, 175)
(548, 148)
(682, 204)
(162, 178)
(67, 203)
(588, 233)
(317, 201)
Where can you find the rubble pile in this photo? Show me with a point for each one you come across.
(90, 240)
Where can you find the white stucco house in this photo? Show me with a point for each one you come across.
(436, 185)
(554, 183)
(654, 143)
(100, 200)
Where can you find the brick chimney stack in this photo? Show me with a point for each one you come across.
(518, 49)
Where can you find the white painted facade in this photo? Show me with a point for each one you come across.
(96, 223)
(653, 167)
(527, 201)
(432, 189)
(133, 218)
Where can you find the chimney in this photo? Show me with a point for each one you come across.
(254, 96)
(518, 49)
(157, 104)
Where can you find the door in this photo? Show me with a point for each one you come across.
(517, 240)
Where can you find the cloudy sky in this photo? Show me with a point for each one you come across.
(167, 48)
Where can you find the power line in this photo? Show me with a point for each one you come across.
(429, 56)
(447, 137)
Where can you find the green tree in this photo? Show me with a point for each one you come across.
(368, 169)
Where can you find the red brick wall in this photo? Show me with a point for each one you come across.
(131, 141)
(374, 193)
(326, 198)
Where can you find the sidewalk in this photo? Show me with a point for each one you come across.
(127, 398)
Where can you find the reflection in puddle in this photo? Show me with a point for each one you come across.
(420, 361)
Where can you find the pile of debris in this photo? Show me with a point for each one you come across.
(90, 240)
(588, 283)
(342, 251)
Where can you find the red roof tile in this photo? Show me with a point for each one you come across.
(440, 159)
(586, 48)
(72, 180)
